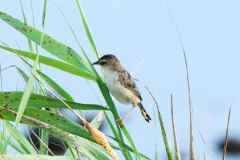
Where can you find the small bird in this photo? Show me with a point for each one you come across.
(121, 85)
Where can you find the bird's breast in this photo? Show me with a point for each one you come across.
(122, 94)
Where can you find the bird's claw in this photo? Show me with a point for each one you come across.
(120, 121)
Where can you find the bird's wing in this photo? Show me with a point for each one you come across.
(128, 82)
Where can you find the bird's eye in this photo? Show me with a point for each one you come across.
(102, 62)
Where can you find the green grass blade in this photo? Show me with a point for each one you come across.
(25, 21)
(25, 77)
(44, 12)
(19, 137)
(73, 34)
(65, 125)
(143, 157)
(57, 121)
(116, 116)
(3, 138)
(49, 81)
(168, 147)
(12, 100)
(43, 135)
(55, 86)
(177, 151)
(38, 157)
(129, 138)
(87, 29)
(23, 74)
(114, 130)
(53, 63)
(94, 147)
(24, 98)
(52, 119)
(14, 145)
(97, 121)
(70, 151)
(66, 136)
(156, 134)
(54, 47)
(1, 87)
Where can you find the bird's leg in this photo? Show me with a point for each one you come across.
(121, 121)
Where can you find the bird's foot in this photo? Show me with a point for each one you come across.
(120, 121)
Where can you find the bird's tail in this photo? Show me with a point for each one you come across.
(144, 112)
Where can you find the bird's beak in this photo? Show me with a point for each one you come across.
(95, 63)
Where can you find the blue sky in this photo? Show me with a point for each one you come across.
(137, 30)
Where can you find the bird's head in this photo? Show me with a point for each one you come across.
(108, 61)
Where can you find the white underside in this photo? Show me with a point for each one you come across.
(122, 94)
